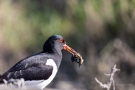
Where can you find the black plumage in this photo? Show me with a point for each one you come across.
(34, 67)
(30, 68)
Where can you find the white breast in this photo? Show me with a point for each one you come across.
(41, 84)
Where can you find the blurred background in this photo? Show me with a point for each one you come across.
(102, 31)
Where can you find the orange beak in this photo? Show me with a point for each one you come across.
(73, 52)
(70, 50)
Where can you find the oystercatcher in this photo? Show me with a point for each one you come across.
(40, 69)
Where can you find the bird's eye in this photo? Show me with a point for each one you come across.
(61, 40)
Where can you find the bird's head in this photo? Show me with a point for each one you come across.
(56, 42)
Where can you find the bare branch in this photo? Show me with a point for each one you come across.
(111, 80)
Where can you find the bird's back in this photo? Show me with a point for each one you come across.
(30, 68)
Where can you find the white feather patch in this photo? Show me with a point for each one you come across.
(41, 84)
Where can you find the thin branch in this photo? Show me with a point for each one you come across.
(111, 80)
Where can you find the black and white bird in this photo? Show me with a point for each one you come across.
(40, 69)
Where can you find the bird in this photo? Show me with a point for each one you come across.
(40, 69)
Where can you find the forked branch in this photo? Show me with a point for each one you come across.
(111, 80)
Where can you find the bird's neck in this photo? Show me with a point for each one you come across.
(52, 51)
(57, 59)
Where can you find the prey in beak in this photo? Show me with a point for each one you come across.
(75, 56)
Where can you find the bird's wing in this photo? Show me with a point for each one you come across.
(33, 73)
(31, 68)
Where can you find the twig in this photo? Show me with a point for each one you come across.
(111, 80)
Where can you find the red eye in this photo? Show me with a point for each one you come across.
(61, 40)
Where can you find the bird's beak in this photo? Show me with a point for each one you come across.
(70, 50)
(73, 52)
